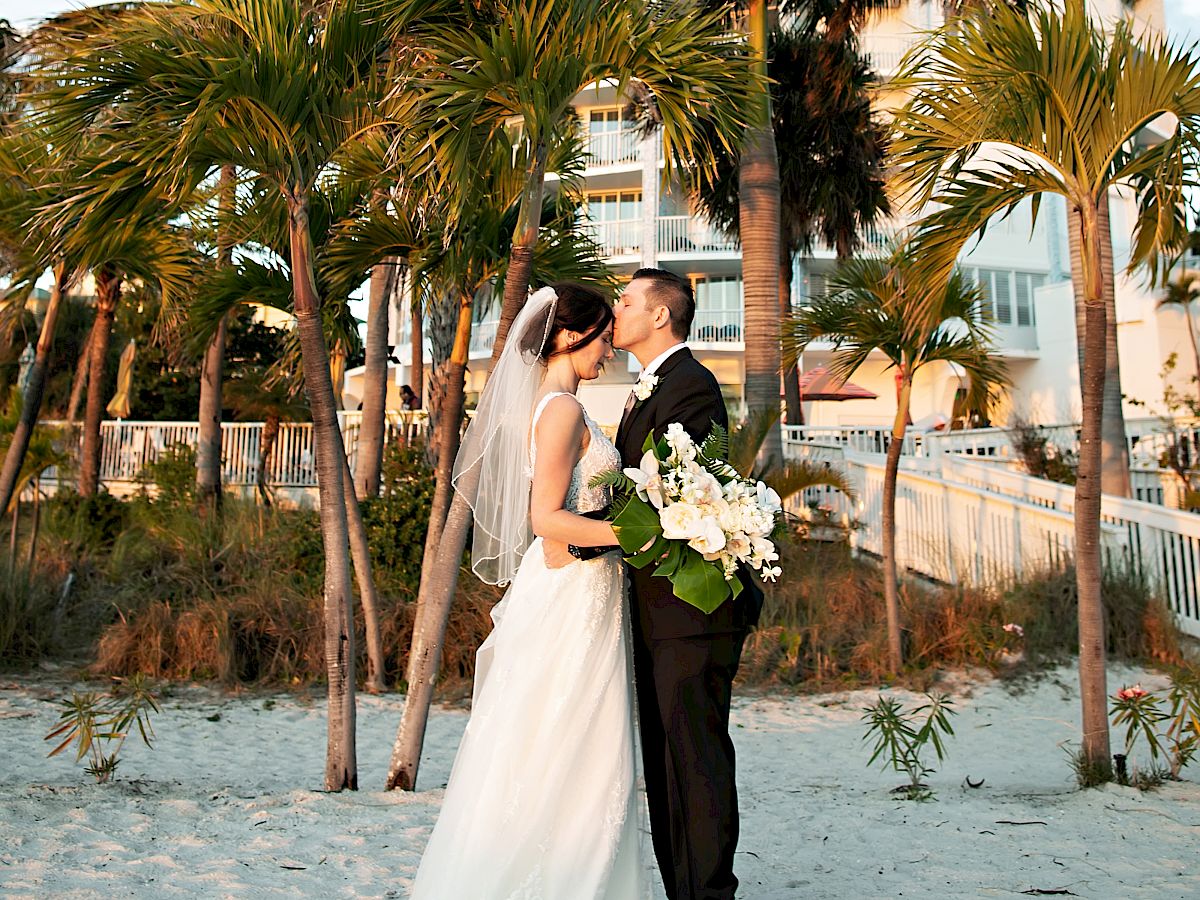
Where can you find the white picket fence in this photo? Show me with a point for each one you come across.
(126, 448)
(964, 520)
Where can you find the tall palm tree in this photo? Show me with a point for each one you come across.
(888, 306)
(758, 226)
(208, 449)
(1009, 107)
(467, 268)
(830, 157)
(122, 236)
(1182, 293)
(259, 223)
(491, 66)
(278, 89)
(26, 166)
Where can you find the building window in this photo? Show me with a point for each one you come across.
(718, 308)
(611, 137)
(1007, 295)
(614, 206)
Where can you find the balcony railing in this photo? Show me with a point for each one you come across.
(719, 326)
(620, 238)
(688, 234)
(884, 51)
(608, 148)
(483, 336)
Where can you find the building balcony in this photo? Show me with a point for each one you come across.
(617, 238)
(681, 235)
(716, 326)
(614, 148)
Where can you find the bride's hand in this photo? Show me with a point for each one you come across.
(556, 554)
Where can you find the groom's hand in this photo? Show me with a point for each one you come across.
(556, 554)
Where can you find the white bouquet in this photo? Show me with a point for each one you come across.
(688, 511)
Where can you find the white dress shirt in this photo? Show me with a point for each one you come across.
(661, 358)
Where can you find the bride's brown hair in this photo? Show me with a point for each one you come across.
(578, 308)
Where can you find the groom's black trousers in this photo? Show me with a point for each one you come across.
(683, 690)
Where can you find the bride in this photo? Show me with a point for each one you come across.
(541, 801)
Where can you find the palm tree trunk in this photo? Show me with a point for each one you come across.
(341, 766)
(520, 264)
(31, 404)
(791, 377)
(368, 594)
(448, 525)
(79, 382)
(439, 578)
(266, 447)
(368, 466)
(208, 449)
(891, 581)
(758, 226)
(108, 294)
(1115, 476)
(1093, 687)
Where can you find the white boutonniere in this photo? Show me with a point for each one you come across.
(645, 387)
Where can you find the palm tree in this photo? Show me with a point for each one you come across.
(260, 224)
(830, 157)
(758, 227)
(208, 449)
(465, 270)
(1059, 107)
(306, 82)
(25, 168)
(489, 67)
(1183, 292)
(886, 306)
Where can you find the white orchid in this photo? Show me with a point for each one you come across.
(711, 538)
(648, 481)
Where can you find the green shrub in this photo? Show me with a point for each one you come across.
(397, 520)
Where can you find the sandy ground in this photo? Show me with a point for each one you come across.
(225, 806)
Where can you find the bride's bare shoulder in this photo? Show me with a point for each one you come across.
(560, 424)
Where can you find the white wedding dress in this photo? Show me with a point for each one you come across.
(542, 801)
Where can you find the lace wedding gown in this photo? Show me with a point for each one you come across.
(542, 801)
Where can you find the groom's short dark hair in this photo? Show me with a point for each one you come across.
(675, 293)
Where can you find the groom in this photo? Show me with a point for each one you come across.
(684, 660)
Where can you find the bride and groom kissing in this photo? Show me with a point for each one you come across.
(595, 675)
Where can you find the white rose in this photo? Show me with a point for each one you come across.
(645, 386)
(681, 521)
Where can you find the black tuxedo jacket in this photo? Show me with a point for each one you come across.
(686, 393)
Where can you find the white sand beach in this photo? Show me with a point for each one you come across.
(225, 805)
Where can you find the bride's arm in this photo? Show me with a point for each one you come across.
(560, 431)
